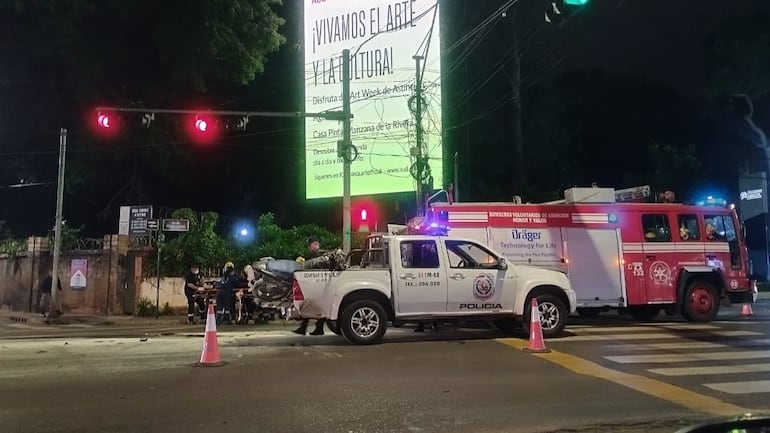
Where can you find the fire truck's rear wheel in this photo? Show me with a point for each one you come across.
(700, 302)
(553, 315)
(644, 313)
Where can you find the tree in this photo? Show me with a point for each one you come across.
(85, 53)
(737, 73)
(626, 131)
(738, 57)
(201, 245)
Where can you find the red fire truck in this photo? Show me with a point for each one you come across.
(638, 257)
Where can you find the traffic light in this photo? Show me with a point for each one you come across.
(106, 125)
(560, 10)
(203, 128)
(201, 125)
(104, 120)
(364, 215)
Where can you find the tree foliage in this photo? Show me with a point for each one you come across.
(205, 246)
(625, 132)
(738, 56)
(70, 56)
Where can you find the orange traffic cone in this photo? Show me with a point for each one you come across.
(746, 310)
(536, 343)
(210, 355)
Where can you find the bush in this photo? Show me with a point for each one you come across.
(167, 310)
(12, 247)
(202, 244)
(146, 308)
(69, 238)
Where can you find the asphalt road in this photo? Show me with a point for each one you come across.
(599, 378)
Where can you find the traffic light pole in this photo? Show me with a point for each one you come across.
(54, 307)
(346, 149)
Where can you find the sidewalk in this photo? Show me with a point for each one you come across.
(33, 319)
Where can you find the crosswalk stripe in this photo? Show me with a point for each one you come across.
(678, 357)
(718, 369)
(654, 336)
(683, 326)
(692, 345)
(748, 387)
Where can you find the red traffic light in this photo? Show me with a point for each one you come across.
(104, 120)
(201, 125)
(363, 214)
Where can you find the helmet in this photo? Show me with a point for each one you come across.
(229, 267)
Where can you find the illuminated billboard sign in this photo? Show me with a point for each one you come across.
(383, 37)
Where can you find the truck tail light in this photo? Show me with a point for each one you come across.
(297, 291)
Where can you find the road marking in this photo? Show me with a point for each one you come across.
(685, 326)
(691, 345)
(753, 387)
(719, 369)
(679, 357)
(646, 385)
(656, 336)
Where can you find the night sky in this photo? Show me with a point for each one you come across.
(262, 170)
(659, 38)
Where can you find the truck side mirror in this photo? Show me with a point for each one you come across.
(502, 264)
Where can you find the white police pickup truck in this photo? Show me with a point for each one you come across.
(425, 278)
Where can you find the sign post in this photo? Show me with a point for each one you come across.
(176, 225)
(159, 241)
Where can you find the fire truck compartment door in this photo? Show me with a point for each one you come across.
(594, 266)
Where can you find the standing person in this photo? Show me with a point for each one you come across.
(192, 285)
(230, 281)
(314, 250)
(45, 293)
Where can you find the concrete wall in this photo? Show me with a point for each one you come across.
(20, 278)
(171, 291)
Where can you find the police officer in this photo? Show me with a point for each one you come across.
(314, 250)
(225, 288)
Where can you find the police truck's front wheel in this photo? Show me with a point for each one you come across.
(700, 302)
(364, 322)
(553, 315)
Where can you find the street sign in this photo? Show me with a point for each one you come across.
(153, 225)
(176, 225)
(133, 220)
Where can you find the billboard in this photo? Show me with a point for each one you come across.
(753, 195)
(383, 37)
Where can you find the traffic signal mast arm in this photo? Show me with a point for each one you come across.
(328, 115)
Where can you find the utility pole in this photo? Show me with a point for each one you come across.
(346, 152)
(418, 134)
(55, 301)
